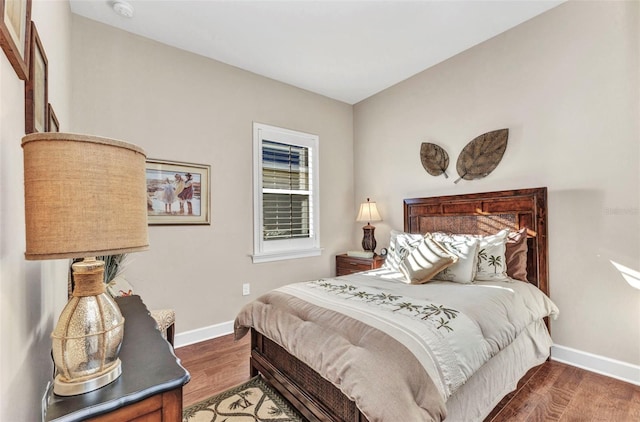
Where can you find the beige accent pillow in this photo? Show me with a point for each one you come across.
(516, 254)
(426, 260)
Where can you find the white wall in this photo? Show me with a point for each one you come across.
(566, 84)
(178, 106)
(184, 107)
(31, 293)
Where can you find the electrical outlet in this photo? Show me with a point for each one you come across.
(246, 289)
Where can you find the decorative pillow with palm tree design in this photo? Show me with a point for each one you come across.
(491, 257)
(491, 262)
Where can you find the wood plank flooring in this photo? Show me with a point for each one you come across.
(215, 366)
(555, 392)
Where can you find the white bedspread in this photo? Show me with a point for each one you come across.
(452, 329)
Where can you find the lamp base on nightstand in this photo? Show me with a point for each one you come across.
(369, 240)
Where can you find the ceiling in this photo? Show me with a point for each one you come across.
(346, 50)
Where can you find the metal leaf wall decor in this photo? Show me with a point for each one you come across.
(482, 155)
(435, 160)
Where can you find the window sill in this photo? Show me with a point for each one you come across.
(280, 256)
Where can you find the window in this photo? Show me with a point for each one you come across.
(285, 184)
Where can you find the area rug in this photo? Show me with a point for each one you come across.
(254, 401)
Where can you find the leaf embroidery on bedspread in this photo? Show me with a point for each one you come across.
(394, 303)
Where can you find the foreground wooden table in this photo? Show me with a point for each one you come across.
(150, 384)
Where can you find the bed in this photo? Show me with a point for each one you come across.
(466, 388)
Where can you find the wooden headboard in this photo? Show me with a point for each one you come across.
(488, 213)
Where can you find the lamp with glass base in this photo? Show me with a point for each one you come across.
(85, 196)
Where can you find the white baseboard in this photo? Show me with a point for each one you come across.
(202, 334)
(599, 364)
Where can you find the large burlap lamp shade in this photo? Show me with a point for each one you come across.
(85, 196)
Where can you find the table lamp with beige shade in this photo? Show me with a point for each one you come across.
(85, 196)
(368, 213)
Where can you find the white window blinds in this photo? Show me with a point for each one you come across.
(286, 193)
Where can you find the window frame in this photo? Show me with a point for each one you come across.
(280, 249)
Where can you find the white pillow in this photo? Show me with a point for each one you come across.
(400, 245)
(492, 263)
(425, 260)
(491, 260)
(466, 249)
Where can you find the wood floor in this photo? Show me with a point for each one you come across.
(556, 392)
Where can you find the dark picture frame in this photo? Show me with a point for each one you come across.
(178, 193)
(15, 28)
(54, 124)
(36, 87)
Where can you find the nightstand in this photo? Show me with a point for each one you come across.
(351, 264)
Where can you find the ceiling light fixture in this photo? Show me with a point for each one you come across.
(123, 8)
